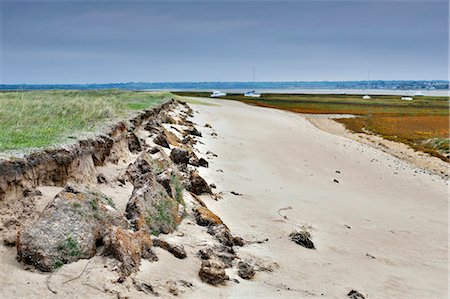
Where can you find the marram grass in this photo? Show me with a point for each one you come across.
(37, 119)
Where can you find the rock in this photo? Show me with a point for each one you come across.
(166, 179)
(188, 140)
(238, 241)
(336, 181)
(193, 159)
(213, 272)
(29, 192)
(213, 186)
(161, 140)
(211, 153)
(236, 193)
(101, 179)
(129, 247)
(167, 119)
(302, 238)
(134, 144)
(154, 150)
(67, 230)
(355, 295)
(205, 217)
(179, 155)
(207, 126)
(197, 184)
(203, 163)
(193, 131)
(146, 288)
(245, 270)
(152, 209)
(177, 250)
(223, 253)
(222, 233)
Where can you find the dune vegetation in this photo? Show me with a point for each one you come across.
(36, 119)
(422, 123)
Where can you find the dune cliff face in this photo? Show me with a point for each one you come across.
(76, 163)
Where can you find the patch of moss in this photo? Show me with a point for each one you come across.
(70, 246)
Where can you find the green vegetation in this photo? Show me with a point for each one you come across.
(57, 264)
(70, 246)
(422, 123)
(162, 217)
(37, 119)
(178, 189)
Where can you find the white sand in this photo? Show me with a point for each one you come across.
(277, 159)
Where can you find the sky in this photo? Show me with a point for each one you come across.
(61, 42)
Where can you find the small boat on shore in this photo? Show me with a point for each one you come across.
(217, 94)
(252, 94)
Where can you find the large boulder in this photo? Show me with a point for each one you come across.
(68, 229)
(150, 207)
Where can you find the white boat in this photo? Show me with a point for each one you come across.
(252, 94)
(366, 97)
(407, 98)
(217, 94)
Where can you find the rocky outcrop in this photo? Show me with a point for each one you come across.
(150, 207)
(68, 229)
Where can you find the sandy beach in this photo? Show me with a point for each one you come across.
(380, 228)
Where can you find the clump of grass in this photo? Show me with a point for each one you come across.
(178, 189)
(57, 264)
(37, 119)
(70, 246)
(161, 218)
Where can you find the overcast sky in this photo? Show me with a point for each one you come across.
(123, 41)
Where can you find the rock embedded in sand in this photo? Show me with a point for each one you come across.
(203, 163)
(302, 238)
(355, 295)
(129, 247)
(245, 270)
(193, 131)
(180, 155)
(150, 207)
(205, 217)
(134, 144)
(177, 250)
(161, 140)
(197, 184)
(213, 272)
(68, 229)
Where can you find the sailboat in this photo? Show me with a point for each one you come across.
(252, 93)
